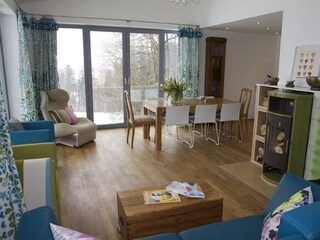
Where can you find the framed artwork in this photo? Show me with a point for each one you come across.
(306, 62)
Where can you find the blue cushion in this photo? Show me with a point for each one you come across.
(35, 224)
(241, 229)
(164, 236)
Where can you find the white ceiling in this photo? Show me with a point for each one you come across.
(4, 9)
(273, 21)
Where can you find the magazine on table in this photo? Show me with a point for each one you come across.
(187, 189)
(160, 196)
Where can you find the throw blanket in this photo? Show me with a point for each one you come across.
(36, 183)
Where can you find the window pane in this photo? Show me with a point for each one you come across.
(71, 68)
(144, 68)
(171, 55)
(107, 77)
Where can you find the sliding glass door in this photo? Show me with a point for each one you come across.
(107, 77)
(96, 64)
(144, 68)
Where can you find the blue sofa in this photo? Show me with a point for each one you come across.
(34, 132)
(299, 224)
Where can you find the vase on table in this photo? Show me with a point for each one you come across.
(176, 97)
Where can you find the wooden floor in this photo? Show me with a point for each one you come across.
(91, 175)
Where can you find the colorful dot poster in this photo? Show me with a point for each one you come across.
(306, 62)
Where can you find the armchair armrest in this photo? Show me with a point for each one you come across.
(302, 221)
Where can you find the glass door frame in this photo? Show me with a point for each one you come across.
(126, 62)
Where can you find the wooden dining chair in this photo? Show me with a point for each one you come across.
(245, 99)
(229, 113)
(134, 121)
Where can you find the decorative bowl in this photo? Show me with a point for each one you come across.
(313, 82)
(273, 80)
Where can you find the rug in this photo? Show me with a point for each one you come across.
(250, 174)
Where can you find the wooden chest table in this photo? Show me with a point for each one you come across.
(139, 220)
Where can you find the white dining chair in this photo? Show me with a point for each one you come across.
(178, 116)
(230, 112)
(204, 115)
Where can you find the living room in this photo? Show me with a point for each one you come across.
(89, 204)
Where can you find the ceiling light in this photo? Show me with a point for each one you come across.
(227, 28)
(258, 23)
(185, 2)
(277, 33)
(268, 29)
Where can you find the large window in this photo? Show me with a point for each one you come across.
(97, 64)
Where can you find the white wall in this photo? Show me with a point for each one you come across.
(9, 35)
(249, 58)
(300, 23)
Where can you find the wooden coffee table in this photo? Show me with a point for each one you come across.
(139, 220)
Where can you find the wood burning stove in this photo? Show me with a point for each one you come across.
(288, 120)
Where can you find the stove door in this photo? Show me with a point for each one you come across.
(277, 141)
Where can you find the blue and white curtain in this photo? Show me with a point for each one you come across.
(12, 204)
(188, 59)
(38, 58)
(27, 90)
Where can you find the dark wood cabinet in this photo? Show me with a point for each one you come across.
(215, 64)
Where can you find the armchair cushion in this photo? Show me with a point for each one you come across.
(65, 115)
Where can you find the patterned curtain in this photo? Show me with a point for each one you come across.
(12, 204)
(27, 91)
(44, 41)
(38, 62)
(188, 59)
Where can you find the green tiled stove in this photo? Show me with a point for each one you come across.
(285, 147)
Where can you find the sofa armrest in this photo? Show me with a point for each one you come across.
(301, 221)
(33, 125)
(35, 224)
(31, 136)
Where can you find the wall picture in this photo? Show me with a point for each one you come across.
(306, 62)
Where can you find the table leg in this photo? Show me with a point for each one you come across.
(145, 128)
(158, 129)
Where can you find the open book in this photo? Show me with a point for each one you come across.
(187, 189)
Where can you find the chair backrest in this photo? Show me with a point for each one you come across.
(245, 99)
(230, 112)
(54, 99)
(205, 114)
(129, 109)
(176, 115)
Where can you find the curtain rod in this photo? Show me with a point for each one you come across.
(112, 19)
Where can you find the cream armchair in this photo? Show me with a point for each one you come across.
(69, 130)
